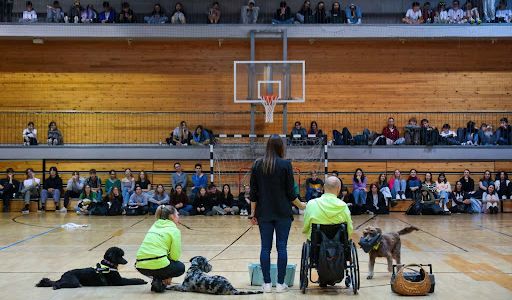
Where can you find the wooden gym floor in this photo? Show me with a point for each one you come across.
(471, 254)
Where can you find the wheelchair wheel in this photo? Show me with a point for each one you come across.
(354, 269)
(304, 267)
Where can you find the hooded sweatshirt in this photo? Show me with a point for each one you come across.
(327, 209)
(162, 239)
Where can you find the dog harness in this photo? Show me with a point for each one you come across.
(102, 269)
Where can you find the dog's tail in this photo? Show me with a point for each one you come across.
(247, 292)
(45, 282)
(407, 230)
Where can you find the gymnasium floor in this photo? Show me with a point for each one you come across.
(472, 255)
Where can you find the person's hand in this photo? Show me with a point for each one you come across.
(227, 209)
(254, 220)
(1, 187)
(50, 190)
(303, 205)
(179, 205)
(167, 281)
(467, 201)
(10, 176)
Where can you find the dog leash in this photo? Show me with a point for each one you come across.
(359, 226)
(232, 243)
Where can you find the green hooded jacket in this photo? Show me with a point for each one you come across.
(327, 209)
(163, 239)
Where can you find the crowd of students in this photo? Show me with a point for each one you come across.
(430, 196)
(308, 13)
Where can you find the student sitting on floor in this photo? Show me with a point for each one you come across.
(159, 197)
(244, 201)
(413, 185)
(112, 182)
(503, 185)
(444, 190)
(201, 202)
(30, 135)
(55, 136)
(179, 200)
(86, 201)
(226, 201)
(460, 200)
(375, 201)
(213, 203)
(115, 202)
(138, 204)
(491, 200)
(397, 185)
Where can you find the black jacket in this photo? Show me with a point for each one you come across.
(467, 186)
(53, 183)
(382, 207)
(226, 201)
(213, 199)
(273, 193)
(8, 187)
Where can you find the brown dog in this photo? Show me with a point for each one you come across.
(388, 247)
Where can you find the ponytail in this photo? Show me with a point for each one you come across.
(163, 212)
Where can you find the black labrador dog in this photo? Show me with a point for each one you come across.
(105, 274)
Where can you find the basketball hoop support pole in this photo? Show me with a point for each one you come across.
(283, 33)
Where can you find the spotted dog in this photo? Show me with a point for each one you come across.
(196, 280)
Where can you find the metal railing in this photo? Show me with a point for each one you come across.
(154, 127)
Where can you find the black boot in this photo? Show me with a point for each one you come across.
(157, 286)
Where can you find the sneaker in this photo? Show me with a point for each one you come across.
(397, 197)
(403, 197)
(25, 210)
(78, 212)
(446, 209)
(266, 288)
(157, 286)
(282, 288)
(63, 210)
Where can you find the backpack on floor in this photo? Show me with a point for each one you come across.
(99, 209)
(361, 140)
(331, 260)
(414, 209)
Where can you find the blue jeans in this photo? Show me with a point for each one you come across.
(443, 197)
(359, 197)
(126, 195)
(282, 229)
(399, 188)
(276, 22)
(55, 195)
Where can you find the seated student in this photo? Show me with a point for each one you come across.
(504, 133)
(180, 136)
(441, 15)
(179, 177)
(471, 134)
(413, 15)
(214, 13)
(226, 201)
(30, 135)
(30, 187)
(430, 184)
(348, 198)
(138, 204)
(503, 186)
(157, 17)
(178, 16)
(305, 14)
(201, 202)
(354, 14)
(321, 13)
(179, 200)
(429, 135)
(144, 183)
(244, 201)
(471, 14)
(337, 14)
(54, 135)
(29, 14)
(412, 132)
(213, 202)
(315, 135)
(249, 13)
(413, 186)
(327, 209)
(283, 14)
(74, 188)
(126, 14)
(461, 203)
(375, 201)
(444, 190)
(108, 15)
(397, 185)
(127, 186)
(159, 254)
(54, 13)
(112, 182)
(489, 10)
(200, 137)
(455, 14)
(359, 182)
(87, 198)
(383, 186)
(427, 13)
(486, 135)
(483, 184)
(114, 200)
(89, 14)
(8, 188)
(52, 187)
(75, 13)
(448, 136)
(159, 197)
(468, 184)
(428, 203)
(390, 134)
(313, 186)
(491, 200)
(298, 134)
(199, 180)
(95, 182)
(337, 175)
(503, 15)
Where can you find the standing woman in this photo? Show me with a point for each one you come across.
(272, 194)
(159, 254)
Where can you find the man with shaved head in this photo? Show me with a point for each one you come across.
(328, 209)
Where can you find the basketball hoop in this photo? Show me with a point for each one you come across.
(269, 102)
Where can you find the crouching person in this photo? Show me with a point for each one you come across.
(138, 204)
(158, 256)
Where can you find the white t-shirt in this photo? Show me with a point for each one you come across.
(504, 13)
(455, 15)
(29, 182)
(30, 15)
(411, 14)
(28, 133)
(443, 15)
(450, 132)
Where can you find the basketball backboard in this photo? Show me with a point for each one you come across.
(254, 80)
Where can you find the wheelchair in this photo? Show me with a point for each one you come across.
(310, 251)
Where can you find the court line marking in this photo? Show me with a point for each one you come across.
(15, 220)
(359, 226)
(117, 233)
(28, 238)
(505, 234)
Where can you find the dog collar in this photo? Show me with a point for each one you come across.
(101, 268)
(376, 246)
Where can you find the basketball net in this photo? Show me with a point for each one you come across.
(269, 102)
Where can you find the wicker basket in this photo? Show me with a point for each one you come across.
(404, 287)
